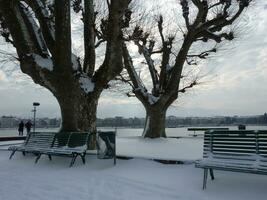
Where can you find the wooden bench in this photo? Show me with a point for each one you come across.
(236, 151)
(33, 143)
(109, 139)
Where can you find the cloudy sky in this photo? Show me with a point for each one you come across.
(237, 83)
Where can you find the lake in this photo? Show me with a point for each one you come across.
(129, 132)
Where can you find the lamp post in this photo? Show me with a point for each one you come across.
(35, 104)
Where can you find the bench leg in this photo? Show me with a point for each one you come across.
(50, 157)
(83, 157)
(74, 156)
(114, 156)
(12, 154)
(205, 178)
(211, 174)
(23, 153)
(37, 158)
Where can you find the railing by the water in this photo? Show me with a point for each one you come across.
(11, 138)
(206, 129)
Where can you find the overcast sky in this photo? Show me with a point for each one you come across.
(238, 83)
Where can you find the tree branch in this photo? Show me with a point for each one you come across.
(128, 63)
(46, 22)
(191, 85)
(166, 52)
(63, 36)
(99, 42)
(17, 27)
(34, 31)
(113, 64)
(185, 8)
(89, 38)
(204, 54)
(149, 61)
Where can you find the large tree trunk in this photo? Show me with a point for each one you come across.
(78, 108)
(78, 112)
(155, 122)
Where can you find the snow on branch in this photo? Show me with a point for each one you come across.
(128, 63)
(34, 29)
(86, 83)
(44, 63)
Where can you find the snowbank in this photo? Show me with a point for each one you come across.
(140, 179)
(128, 180)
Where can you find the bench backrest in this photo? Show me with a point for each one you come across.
(78, 139)
(40, 140)
(240, 143)
(28, 135)
(61, 139)
(262, 140)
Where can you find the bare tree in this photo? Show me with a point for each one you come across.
(206, 22)
(40, 30)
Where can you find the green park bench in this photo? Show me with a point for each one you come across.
(72, 144)
(33, 143)
(236, 151)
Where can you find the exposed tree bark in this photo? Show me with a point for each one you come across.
(41, 34)
(89, 37)
(155, 122)
(210, 24)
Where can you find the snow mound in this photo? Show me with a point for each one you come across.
(86, 84)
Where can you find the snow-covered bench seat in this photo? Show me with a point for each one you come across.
(33, 143)
(106, 145)
(71, 144)
(236, 151)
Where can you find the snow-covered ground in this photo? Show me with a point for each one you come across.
(183, 149)
(137, 179)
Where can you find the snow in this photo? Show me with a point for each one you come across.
(74, 60)
(152, 99)
(137, 178)
(184, 149)
(45, 63)
(86, 83)
(168, 67)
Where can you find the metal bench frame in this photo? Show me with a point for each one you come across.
(236, 151)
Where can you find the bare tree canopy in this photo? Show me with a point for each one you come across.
(205, 22)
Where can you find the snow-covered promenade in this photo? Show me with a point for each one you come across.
(137, 178)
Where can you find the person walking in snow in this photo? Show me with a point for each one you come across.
(21, 128)
(28, 126)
